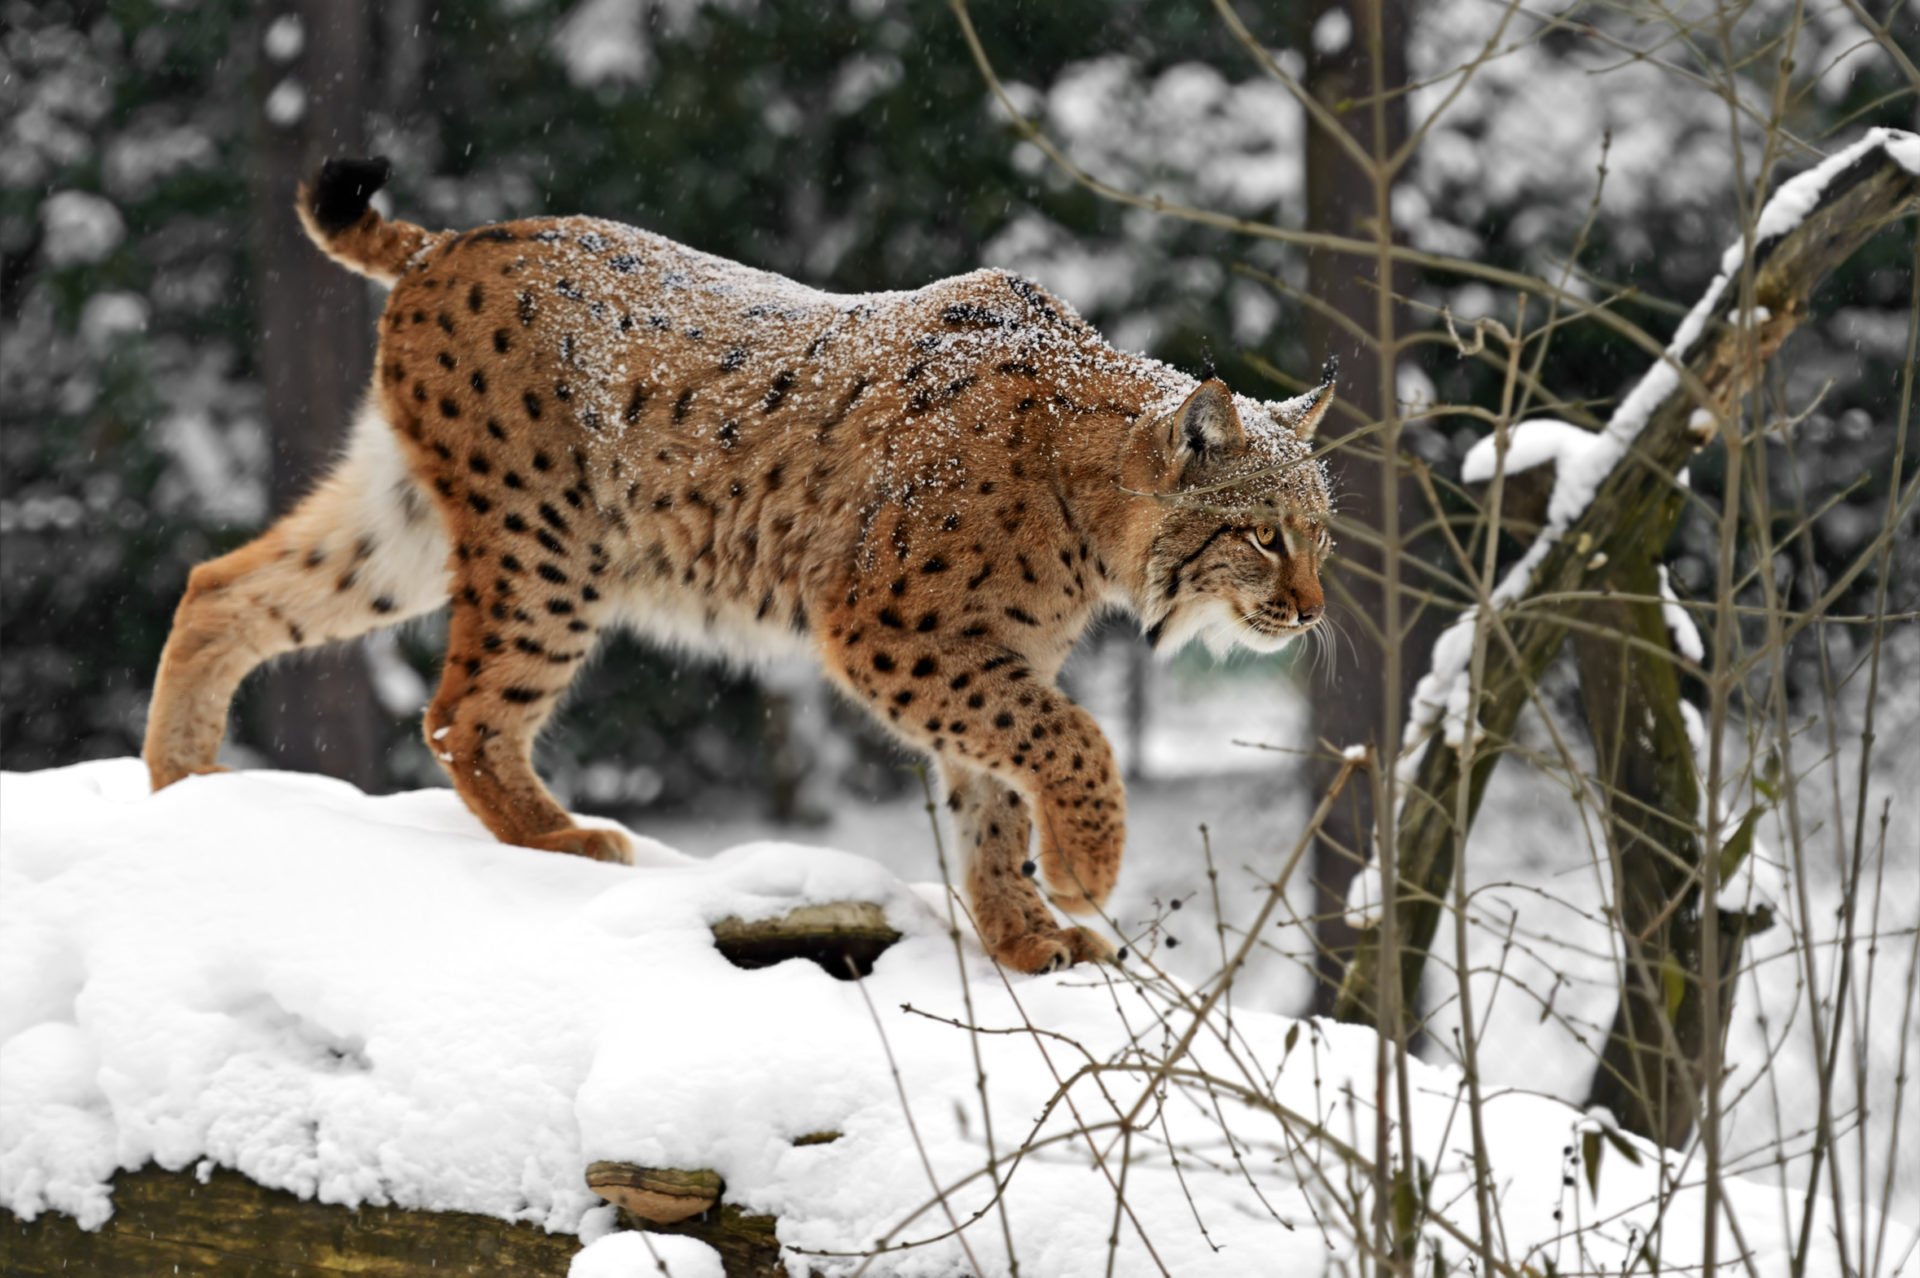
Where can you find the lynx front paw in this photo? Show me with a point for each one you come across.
(1052, 951)
(599, 845)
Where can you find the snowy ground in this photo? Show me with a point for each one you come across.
(1544, 957)
(368, 1000)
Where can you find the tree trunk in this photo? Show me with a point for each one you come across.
(1350, 698)
(1655, 1057)
(313, 350)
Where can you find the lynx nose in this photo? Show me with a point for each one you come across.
(1312, 614)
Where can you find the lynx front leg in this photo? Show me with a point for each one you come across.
(1053, 752)
(991, 828)
(979, 709)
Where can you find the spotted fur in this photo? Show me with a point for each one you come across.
(575, 425)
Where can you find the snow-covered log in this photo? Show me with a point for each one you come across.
(1611, 497)
(266, 1011)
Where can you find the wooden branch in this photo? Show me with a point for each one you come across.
(747, 1245)
(674, 1201)
(1630, 508)
(169, 1222)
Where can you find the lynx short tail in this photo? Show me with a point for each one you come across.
(335, 209)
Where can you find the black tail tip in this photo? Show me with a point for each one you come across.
(344, 188)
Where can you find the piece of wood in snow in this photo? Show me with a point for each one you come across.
(843, 937)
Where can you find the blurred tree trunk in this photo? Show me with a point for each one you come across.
(404, 45)
(314, 351)
(1349, 695)
(1139, 676)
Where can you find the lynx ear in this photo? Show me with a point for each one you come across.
(1322, 400)
(1304, 413)
(1206, 424)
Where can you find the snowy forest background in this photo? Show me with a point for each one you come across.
(852, 147)
(175, 364)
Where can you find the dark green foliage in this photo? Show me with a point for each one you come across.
(98, 528)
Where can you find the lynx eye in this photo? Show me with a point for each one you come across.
(1263, 533)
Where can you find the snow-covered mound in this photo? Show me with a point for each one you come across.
(368, 1000)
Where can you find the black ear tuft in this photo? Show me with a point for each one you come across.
(1330, 371)
(1207, 370)
(343, 189)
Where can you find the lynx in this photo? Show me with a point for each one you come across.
(574, 424)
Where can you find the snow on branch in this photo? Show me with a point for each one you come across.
(1599, 510)
(1885, 161)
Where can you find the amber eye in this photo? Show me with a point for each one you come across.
(1263, 533)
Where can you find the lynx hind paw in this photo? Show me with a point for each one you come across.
(1039, 952)
(166, 776)
(595, 844)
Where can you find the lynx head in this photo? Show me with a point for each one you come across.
(1242, 516)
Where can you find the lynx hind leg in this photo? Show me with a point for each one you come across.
(992, 830)
(363, 550)
(524, 618)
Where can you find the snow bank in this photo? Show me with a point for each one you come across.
(368, 1000)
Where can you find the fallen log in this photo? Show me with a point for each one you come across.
(228, 1227)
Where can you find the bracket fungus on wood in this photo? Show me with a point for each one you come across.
(664, 1195)
(669, 1200)
(843, 937)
